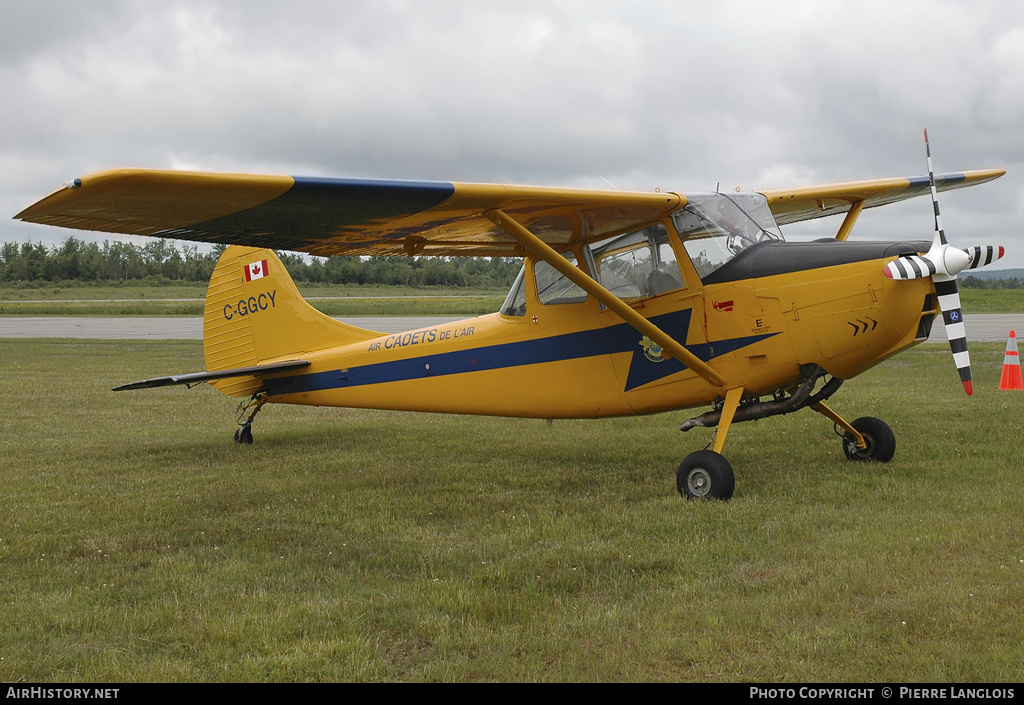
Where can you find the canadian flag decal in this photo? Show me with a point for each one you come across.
(256, 270)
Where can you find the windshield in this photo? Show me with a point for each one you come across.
(715, 228)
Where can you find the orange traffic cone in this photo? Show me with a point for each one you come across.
(1011, 378)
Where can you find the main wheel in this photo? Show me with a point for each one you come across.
(705, 475)
(879, 437)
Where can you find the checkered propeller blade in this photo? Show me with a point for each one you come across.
(953, 319)
(983, 255)
(942, 263)
(942, 259)
(946, 287)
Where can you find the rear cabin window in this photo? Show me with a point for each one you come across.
(637, 265)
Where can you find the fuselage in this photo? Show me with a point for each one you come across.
(770, 310)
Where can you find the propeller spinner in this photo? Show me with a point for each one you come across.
(942, 263)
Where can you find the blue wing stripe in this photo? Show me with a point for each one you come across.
(316, 209)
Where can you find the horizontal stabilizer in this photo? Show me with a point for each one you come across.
(197, 377)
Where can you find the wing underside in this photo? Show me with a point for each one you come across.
(362, 217)
(340, 216)
(793, 205)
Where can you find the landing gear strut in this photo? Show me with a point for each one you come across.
(867, 438)
(707, 475)
(243, 434)
(879, 441)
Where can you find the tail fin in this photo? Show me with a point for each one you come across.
(255, 314)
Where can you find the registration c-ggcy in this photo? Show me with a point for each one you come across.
(254, 304)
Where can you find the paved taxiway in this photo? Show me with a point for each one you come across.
(980, 327)
(171, 327)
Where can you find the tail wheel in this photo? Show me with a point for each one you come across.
(881, 441)
(243, 434)
(705, 475)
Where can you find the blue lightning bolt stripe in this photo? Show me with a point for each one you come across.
(606, 341)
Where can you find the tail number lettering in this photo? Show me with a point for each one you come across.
(251, 305)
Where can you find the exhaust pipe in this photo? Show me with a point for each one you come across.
(800, 398)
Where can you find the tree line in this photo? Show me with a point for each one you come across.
(159, 260)
(973, 282)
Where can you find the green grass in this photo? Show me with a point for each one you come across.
(185, 300)
(992, 300)
(85, 291)
(182, 299)
(139, 543)
(361, 306)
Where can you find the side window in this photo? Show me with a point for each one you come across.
(638, 264)
(553, 288)
(666, 275)
(515, 302)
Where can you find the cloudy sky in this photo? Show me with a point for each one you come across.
(634, 95)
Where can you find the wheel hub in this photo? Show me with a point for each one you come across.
(699, 482)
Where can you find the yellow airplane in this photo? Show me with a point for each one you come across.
(628, 303)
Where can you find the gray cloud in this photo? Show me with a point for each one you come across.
(680, 96)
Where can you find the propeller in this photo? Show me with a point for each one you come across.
(942, 263)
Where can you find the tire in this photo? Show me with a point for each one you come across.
(880, 439)
(243, 435)
(705, 475)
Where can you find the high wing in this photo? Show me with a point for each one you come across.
(793, 205)
(325, 217)
(340, 216)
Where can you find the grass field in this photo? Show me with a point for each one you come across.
(363, 306)
(139, 543)
(187, 300)
(197, 290)
(334, 301)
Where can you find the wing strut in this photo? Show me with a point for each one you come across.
(541, 249)
(851, 218)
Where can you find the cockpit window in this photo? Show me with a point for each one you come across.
(515, 302)
(715, 228)
(635, 265)
(552, 288)
(638, 264)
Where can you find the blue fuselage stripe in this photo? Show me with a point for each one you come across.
(603, 341)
